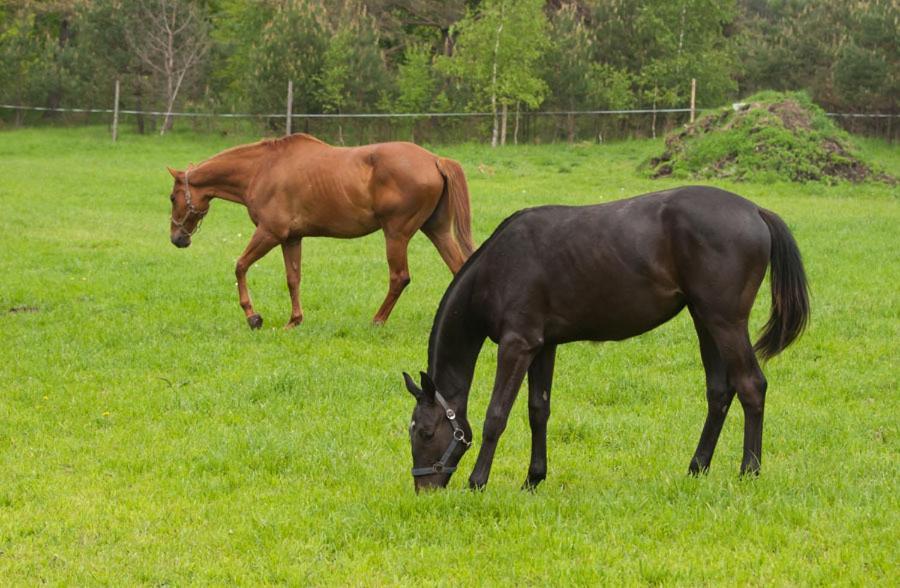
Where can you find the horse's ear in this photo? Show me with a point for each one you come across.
(175, 173)
(411, 386)
(428, 387)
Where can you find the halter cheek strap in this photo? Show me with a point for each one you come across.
(191, 209)
(459, 436)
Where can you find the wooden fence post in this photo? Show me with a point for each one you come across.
(693, 98)
(290, 104)
(115, 125)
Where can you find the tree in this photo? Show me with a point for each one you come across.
(415, 81)
(37, 51)
(353, 71)
(267, 44)
(497, 49)
(171, 37)
(405, 22)
(105, 55)
(843, 53)
(665, 43)
(577, 80)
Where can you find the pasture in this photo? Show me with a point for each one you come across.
(147, 436)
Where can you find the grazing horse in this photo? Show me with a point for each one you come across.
(298, 186)
(556, 274)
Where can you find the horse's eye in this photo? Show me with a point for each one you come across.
(172, 197)
(426, 434)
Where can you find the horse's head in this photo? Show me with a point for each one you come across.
(439, 436)
(188, 209)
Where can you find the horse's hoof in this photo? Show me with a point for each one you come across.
(293, 323)
(377, 322)
(531, 483)
(255, 321)
(697, 469)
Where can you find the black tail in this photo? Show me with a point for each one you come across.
(790, 300)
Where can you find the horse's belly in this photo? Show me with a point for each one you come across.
(332, 222)
(607, 321)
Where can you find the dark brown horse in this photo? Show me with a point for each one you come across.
(298, 187)
(556, 274)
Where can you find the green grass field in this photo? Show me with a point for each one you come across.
(147, 436)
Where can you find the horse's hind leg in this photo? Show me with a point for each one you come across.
(719, 395)
(291, 252)
(439, 230)
(397, 245)
(745, 376)
(540, 380)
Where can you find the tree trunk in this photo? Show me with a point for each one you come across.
(448, 42)
(503, 119)
(516, 128)
(494, 79)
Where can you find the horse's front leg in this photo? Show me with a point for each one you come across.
(513, 358)
(540, 380)
(260, 243)
(291, 252)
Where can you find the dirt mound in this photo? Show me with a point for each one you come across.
(772, 136)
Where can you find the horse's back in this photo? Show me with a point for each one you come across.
(614, 270)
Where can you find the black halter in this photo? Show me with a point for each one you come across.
(459, 436)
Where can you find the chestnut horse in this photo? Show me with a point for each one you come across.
(298, 186)
(556, 274)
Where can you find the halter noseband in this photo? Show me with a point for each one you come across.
(190, 208)
(459, 436)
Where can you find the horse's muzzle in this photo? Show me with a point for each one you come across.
(181, 240)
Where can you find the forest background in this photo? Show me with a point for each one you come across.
(500, 57)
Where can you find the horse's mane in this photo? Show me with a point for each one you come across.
(460, 275)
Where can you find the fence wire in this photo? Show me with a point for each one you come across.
(434, 127)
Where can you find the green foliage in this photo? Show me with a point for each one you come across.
(287, 42)
(415, 81)
(36, 55)
(353, 72)
(496, 52)
(577, 80)
(772, 137)
(665, 43)
(845, 54)
(375, 55)
(147, 437)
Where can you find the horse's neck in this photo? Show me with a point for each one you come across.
(456, 340)
(228, 174)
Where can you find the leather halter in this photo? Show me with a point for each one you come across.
(190, 208)
(459, 436)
